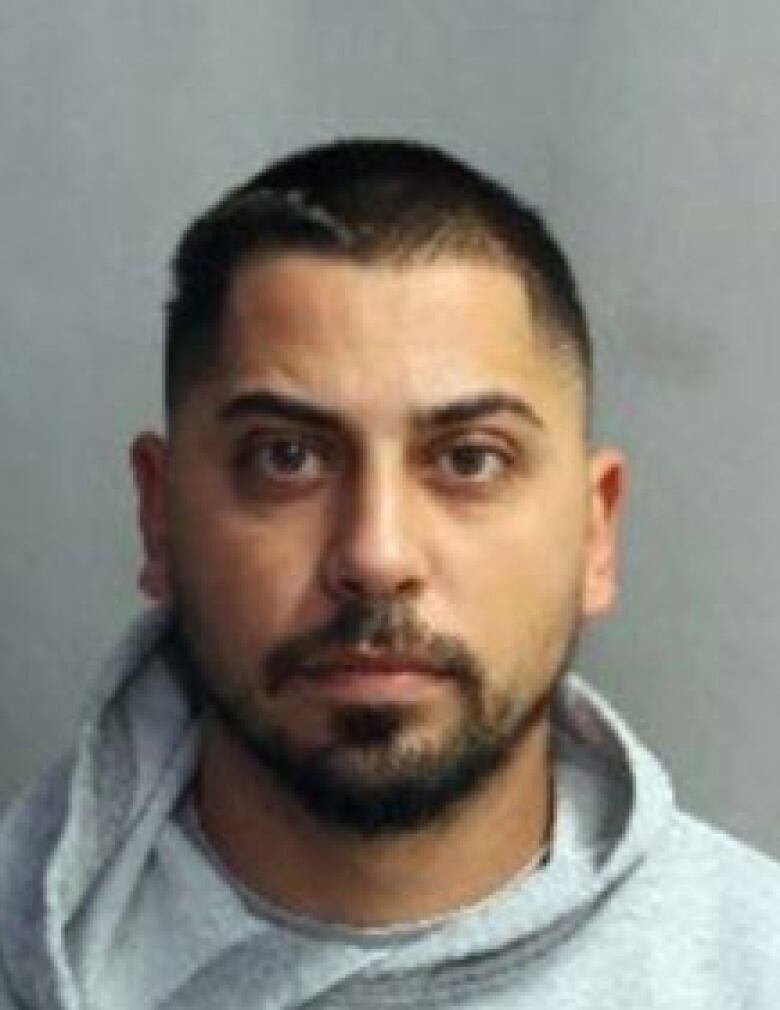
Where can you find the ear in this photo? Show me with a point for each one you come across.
(149, 459)
(606, 492)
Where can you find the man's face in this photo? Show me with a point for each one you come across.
(378, 525)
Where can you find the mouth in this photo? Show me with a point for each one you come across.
(370, 677)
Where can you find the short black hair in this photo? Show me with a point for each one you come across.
(369, 200)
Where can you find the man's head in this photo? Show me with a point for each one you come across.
(368, 202)
(376, 516)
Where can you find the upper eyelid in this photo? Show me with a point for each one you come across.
(498, 441)
(508, 462)
(272, 432)
(244, 455)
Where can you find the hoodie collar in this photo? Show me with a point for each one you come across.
(137, 751)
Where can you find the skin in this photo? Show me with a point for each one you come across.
(505, 547)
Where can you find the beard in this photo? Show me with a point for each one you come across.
(369, 778)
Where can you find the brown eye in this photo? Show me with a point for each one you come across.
(286, 456)
(281, 459)
(474, 463)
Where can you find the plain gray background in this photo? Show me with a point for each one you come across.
(649, 133)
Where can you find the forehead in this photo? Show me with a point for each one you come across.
(382, 337)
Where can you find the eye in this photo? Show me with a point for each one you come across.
(280, 458)
(474, 463)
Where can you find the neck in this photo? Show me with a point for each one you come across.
(275, 848)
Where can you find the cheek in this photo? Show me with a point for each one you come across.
(518, 583)
(245, 582)
(531, 557)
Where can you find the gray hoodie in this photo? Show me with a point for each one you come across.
(110, 898)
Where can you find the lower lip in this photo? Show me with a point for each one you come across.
(370, 685)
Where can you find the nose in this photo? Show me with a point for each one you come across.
(374, 549)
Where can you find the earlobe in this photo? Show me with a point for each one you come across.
(606, 493)
(148, 459)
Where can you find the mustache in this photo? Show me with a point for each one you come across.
(379, 628)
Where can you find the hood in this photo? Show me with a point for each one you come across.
(75, 845)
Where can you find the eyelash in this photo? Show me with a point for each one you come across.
(504, 460)
(250, 449)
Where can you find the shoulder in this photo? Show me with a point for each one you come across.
(719, 901)
(7, 1001)
(34, 817)
(28, 833)
(700, 852)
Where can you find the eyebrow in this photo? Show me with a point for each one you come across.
(473, 407)
(290, 408)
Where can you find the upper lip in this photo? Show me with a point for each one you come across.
(369, 662)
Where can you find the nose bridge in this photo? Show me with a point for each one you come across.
(373, 548)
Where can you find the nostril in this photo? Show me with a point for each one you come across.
(342, 581)
(353, 587)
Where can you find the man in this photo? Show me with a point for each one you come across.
(341, 763)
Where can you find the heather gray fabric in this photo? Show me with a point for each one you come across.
(109, 899)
